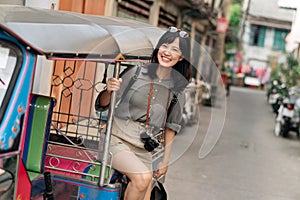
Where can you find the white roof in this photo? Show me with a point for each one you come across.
(270, 9)
(54, 32)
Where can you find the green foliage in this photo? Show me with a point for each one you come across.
(275, 73)
(289, 72)
(237, 1)
(292, 62)
(235, 16)
(230, 45)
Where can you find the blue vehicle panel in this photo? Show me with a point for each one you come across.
(12, 119)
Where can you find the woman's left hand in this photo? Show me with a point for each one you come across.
(161, 169)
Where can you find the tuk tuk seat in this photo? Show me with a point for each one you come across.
(37, 134)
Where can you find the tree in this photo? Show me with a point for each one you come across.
(235, 15)
(290, 72)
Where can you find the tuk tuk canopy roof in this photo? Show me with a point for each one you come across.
(60, 32)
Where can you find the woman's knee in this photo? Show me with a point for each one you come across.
(141, 181)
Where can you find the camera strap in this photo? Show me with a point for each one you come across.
(149, 103)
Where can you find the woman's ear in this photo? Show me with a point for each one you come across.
(181, 58)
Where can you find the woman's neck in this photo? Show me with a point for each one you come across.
(163, 72)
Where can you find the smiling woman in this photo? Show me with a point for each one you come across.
(169, 55)
(143, 112)
(73, 73)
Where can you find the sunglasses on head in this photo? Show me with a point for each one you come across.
(182, 34)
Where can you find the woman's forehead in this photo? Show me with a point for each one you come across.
(174, 41)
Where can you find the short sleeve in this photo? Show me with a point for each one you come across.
(175, 117)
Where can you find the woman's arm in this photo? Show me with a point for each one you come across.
(162, 167)
(113, 84)
(103, 99)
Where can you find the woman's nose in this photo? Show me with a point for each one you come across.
(167, 51)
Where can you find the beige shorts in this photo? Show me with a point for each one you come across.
(125, 135)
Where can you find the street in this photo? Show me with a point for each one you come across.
(248, 161)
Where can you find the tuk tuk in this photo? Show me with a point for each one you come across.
(53, 64)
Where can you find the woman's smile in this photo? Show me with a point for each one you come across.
(169, 54)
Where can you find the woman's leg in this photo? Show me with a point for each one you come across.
(140, 176)
(148, 193)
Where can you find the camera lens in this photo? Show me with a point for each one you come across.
(149, 143)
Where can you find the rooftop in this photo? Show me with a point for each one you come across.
(270, 9)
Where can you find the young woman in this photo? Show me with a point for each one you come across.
(144, 109)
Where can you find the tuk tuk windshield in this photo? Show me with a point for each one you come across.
(8, 69)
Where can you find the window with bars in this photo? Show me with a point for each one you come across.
(257, 35)
(166, 18)
(279, 39)
(138, 10)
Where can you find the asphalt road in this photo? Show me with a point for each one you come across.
(248, 161)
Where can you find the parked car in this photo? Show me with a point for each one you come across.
(251, 81)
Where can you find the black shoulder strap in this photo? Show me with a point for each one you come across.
(173, 102)
(132, 80)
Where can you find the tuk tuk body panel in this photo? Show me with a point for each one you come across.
(65, 189)
(23, 185)
(12, 121)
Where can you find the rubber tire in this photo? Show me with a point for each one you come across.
(278, 129)
(286, 129)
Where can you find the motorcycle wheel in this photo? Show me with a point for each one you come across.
(286, 129)
(275, 108)
(277, 131)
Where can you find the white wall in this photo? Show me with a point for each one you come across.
(259, 56)
(12, 2)
(50, 4)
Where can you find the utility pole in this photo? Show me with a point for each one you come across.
(220, 42)
(245, 11)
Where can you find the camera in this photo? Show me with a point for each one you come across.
(150, 143)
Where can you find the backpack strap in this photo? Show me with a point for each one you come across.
(173, 102)
(132, 80)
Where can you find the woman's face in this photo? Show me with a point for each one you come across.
(169, 54)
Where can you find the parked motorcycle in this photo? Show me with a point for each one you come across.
(273, 84)
(287, 118)
(276, 95)
(189, 116)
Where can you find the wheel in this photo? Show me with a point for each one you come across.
(285, 129)
(277, 131)
(275, 108)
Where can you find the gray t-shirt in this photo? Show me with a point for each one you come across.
(134, 103)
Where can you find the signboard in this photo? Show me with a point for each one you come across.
(222, 25)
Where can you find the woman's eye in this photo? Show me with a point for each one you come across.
(175, 50)
(165, 46)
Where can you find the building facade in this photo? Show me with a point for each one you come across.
(264, 33)
(293, 39)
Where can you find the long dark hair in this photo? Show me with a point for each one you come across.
(182, 69)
